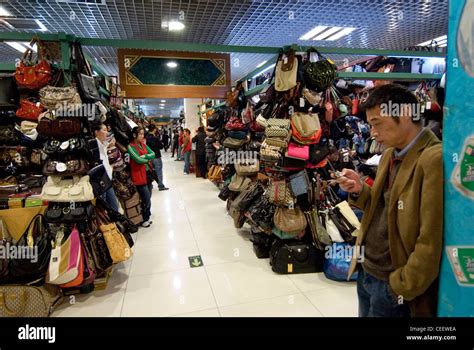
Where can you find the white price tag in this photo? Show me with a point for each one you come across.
(285, 60)
(428, 105)
(301, 102)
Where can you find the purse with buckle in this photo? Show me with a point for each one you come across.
(67, 168)
(66, 213)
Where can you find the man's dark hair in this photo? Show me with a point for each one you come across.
(97, 126)
(151, 128)
(201, 129)
(394, 94)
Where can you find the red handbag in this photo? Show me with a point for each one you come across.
(29, 109)
(235, 124)
(31, 75)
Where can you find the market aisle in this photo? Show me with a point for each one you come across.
(189, 220)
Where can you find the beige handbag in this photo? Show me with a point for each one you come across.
(286, 72)
(29, 301)
(305, 124)
(78, 189)
(278, 142)
(117, 245)
(313, 99)
(279, 193)
(55, 97)
(239, 183)
(250, 168)
(261, 121)
(230, 142)
(291, 221)
(349, 214)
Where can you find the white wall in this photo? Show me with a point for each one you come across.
(191, 110)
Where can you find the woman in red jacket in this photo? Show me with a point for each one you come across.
(140, 157)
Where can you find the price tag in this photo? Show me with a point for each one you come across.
(292, 205)
(290, 268)
(301, 102)
(428, 105)
(64, 145)
(285, 60)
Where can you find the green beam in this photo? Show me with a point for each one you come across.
(7, 66)
(387, 76)
(194, 47)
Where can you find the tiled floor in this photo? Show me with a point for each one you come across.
(190, 220)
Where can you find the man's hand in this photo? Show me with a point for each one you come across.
(349, 181)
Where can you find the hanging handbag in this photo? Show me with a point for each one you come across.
(235, 124)
(29, 301)
(318, 232)
(321, 74)
(78, 189)
(304, 125)
(66, 258)
(248, 196)
(53, 97)
(247, 114)
(9, 95)
(97, 247)
(301, 185)
(249, 168)
(29, 109)
(330, 227)
(279, 193)
(291, 221)
(99, 180)
(70, 167)
(33, 265)
(289, 257)
(239, 183)
(119, 249)
(65, 213)
(286, 72)
(86, 83)
(6, 134)
(230, 142)
(60, 129)
(33, 75)
(297, 151)
(317, 153)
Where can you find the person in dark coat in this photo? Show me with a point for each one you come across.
(165, 139)
(201, 151)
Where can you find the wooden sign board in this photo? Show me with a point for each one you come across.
(173, 74)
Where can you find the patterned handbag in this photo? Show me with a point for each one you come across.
(279, 193)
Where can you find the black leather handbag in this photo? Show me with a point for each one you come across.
(7, 115)
(65, 213)
(26, 269)
(289, 257)
(99, 180)
(87, 86)
(262, 243)
(9, 95)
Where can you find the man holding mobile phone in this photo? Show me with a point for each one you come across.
(402, 225)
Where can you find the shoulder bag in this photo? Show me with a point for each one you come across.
(33, 75)
(78, 189)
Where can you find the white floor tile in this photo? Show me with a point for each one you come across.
(294, 305)
(336, 301)
(307, 282)
(246, 281)
(224, 250)
(204, 313)
(168, 294)
(152, 259)
(165, 234)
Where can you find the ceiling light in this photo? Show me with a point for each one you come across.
(340, 34)
(175, 26)
(261, 64)
(327, 33)
(16, 45)
(313, 32)
(437, 40)
(4, 12)
(263, 71)
(172, 64)
(163, 100)
(161, 107)
(41, 25)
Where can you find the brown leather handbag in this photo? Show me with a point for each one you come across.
(291, 221)
(67, 168)
(60, 129)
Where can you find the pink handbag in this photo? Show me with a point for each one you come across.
(297, 151)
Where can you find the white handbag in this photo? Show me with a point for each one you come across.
(332, 229)
(349, 214)
(78, 189)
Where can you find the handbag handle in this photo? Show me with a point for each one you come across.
(313, 49)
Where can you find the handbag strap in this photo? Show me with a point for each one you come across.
(30, 231)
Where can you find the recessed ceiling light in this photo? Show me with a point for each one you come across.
(313, 32)
(163, 100)
(261, 64)
(438, 40)
(327, 33)
(4, 12)
(161, 107)
(175, 26)
(172, 64)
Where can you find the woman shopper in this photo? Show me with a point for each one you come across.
(180, 144)
(101, 132)
(175, 143)
(140, 157)
(153, 141)
(186, 150)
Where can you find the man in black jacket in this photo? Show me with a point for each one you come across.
(153, 141)
(165, 140)
(201, 151)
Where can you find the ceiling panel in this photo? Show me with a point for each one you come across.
(390, 24)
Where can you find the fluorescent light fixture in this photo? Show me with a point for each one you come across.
(444, 45)
(21, 45)
(327, 33)
(340, 34)
(313, 32)
(172, 64)
(161, 107)
(263, 71)
(163, 100)
(438, 40)
(261, 64)
(175, 26)
(41, 25)
(4, 12)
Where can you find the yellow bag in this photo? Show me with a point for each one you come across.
(117, 245)
(285, 73)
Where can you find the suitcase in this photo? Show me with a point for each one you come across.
(133, 209)
(290, 257)
(262, 243)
